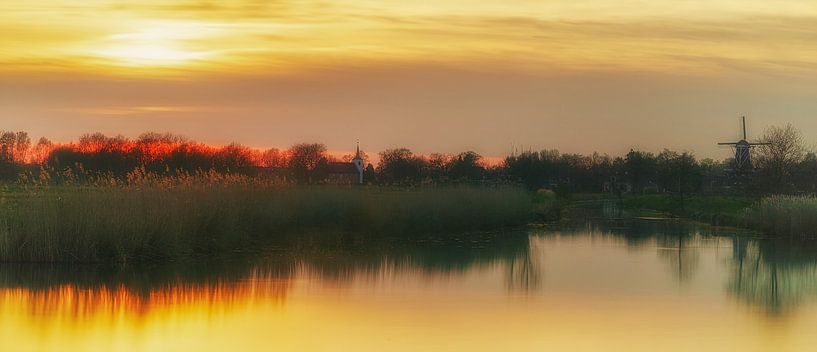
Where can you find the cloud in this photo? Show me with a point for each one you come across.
(540, 73)
(262, 37)
(152, 110)
(283, 36)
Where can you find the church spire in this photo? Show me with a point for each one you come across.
(358, 162)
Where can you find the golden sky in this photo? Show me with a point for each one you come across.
(578, 75)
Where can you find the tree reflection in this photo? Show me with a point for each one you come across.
(524, 273)
(775, 275)
(682, 257)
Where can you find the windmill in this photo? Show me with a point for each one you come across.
(743, 150)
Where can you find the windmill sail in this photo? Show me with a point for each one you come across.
(743, 150)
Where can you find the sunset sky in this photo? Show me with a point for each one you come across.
(442, 75)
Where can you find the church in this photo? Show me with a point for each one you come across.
(348, 173)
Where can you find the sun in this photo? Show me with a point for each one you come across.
(156, 44)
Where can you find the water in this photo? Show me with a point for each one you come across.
(597, 286)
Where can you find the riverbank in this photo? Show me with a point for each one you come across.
(787, 216)
(714, 210)
(776, 216)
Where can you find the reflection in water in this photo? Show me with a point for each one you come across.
(626, 282)
(80, 291)
(682, 258)
(778, 276)
(85, 292)
(524, 272)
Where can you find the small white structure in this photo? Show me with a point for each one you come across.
(347, 172)
(358, 161)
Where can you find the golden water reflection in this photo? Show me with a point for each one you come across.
(633, 287)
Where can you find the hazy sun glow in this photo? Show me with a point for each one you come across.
(529, 35)
(150, 54)
(152, 44)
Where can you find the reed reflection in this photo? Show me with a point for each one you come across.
(82, 292)
(776, 275)
(773, 275)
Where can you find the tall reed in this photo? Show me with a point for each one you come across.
(784, 216)
(165, 221)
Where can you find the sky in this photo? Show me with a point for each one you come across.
(433, 76)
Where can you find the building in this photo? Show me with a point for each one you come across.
(347, 172)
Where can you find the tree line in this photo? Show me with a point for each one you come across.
(783, 165)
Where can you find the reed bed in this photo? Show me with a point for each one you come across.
(155, 219)
(784, 216)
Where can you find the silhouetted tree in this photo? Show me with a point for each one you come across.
(348, 157)
(400, 165)
(678, 173)
(805, 175)
(22, 145)
(437, 167)
(466, 166)
(41, 150)
(640, 169)
(603, 169)
(533, 169)
(189, 157)
(667, 169)
(783, 165)
(307, 162)
(274, 158)
(777, 160)
(234, 157)
(154, 147)
(572, 171)
(7, 146)
(689, 173)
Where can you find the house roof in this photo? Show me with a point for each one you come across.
(342, 168)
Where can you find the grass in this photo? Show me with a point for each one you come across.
(775, 216)
(785, 216)
(165, 221)
(547, 207)
(716, 210)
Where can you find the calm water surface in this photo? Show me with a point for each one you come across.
(611, 286)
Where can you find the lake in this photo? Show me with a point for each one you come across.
(596, 285)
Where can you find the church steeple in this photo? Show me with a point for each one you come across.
(358, 161)
(357, 152)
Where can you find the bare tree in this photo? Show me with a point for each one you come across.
(305, 161)
(400, 165)
(7, 145)
(93, 143)
(467, 166)
(348, 157)
(274, 158)
(776, 160)
(41, 150)
(22, 146)
(438, 166)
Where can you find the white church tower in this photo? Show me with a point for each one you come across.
(358, 161)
